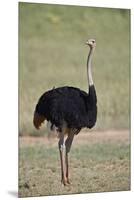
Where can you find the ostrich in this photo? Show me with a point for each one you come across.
(68, 109)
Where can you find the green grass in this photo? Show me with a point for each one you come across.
(52, 53)
(99, 167)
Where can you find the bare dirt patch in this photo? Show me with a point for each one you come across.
(110, 136)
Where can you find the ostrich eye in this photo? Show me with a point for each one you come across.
(93, 41)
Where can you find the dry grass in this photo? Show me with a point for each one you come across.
(100, 161)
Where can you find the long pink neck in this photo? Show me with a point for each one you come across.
(89, 67)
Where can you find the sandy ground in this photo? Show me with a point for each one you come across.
(82, 138)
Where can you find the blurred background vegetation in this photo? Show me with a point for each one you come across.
(52, 53)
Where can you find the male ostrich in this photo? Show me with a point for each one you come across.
(69, 109)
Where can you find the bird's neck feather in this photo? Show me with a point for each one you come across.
(89, 67)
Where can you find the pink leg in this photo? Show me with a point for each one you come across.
(68, 144)
(63, 180)
(61, 150)
(67, 168)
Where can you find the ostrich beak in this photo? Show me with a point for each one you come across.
(87, 43)
(38, 120)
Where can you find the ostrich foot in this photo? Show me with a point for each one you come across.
(64, 182)
(68, 181)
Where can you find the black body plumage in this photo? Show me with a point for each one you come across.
(73, 106)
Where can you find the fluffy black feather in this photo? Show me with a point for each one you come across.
(71, 105)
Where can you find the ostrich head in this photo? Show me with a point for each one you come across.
(91, 43)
